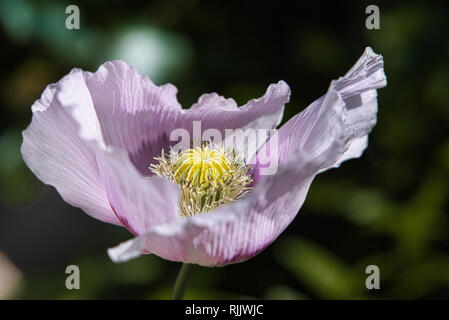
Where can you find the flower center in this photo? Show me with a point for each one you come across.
(201, 167)
(208, 177)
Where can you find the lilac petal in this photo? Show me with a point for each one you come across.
(139, 202)
(264, 113)
(56, 153)
(65, 147)
(134, 114)
(344, 116)
(332, 129)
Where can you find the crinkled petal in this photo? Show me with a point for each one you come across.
(134, 114)
(344, 116)
(55, 149)
(266, 112)
(330, 130)
(236, 124)
(139, 202)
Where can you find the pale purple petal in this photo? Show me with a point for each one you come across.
(139, 202)
(264, 113)
(216, 112)
(344, 116)
(56, 153)
(134, 114)
(66, 146)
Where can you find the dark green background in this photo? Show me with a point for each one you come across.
(389, 208)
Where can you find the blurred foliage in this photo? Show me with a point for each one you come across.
(389, 208)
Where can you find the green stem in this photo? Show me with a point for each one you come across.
(181, 281)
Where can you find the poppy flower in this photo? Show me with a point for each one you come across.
(104, 141)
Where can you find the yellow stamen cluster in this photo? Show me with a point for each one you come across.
(208, 177)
